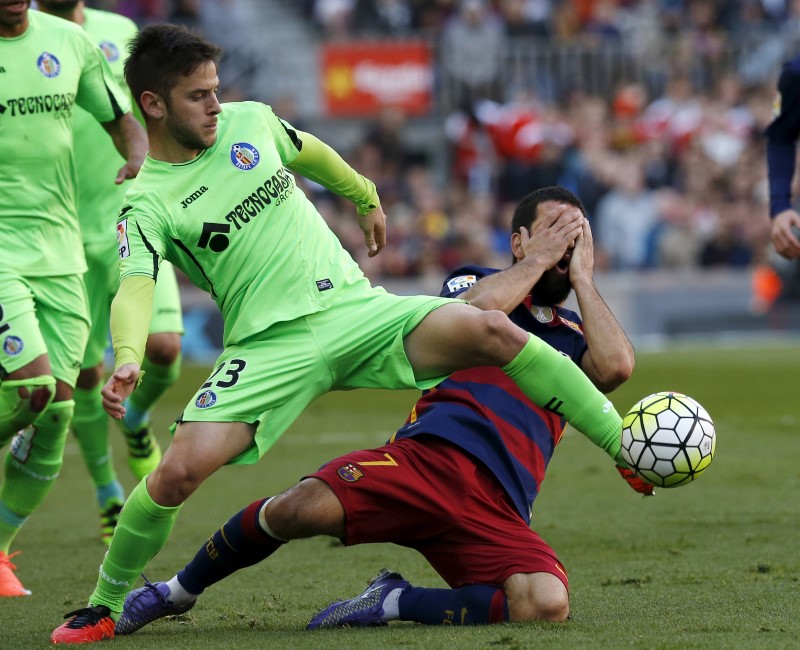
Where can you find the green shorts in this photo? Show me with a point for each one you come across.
(102, 282)
(47, 315)
(269, 379)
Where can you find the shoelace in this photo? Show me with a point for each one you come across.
(6, 559)
(152, 587)
(83, 617)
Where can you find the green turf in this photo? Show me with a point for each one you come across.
(714, 564)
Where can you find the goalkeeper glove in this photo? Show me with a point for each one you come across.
(638, 484)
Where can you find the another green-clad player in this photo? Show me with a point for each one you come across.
(49, 66)
(99, 201)
(217, 197)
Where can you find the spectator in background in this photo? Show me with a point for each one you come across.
(625, 218)
(471, 48)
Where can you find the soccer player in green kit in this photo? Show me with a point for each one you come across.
(49, 65)
(217, 197)
(99, 201)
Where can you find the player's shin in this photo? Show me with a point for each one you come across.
(142, 530)
(554, 382)
(90, 425)
(33, 463)
(240, 543)
(470, 605)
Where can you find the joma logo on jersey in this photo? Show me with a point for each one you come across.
(194, 196)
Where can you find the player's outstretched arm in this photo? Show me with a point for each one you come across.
(130, 140)
(321, 164)
(609, 359)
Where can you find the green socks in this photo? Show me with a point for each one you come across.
(142, 530)
(32, 464)
(157, 379)
(90, 424)
(554, 382)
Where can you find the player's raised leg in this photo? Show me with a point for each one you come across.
(489, 338)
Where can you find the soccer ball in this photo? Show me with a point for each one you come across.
(668, 439)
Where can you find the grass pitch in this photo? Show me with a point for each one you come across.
(715, 564)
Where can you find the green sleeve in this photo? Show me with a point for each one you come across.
(130, 318)
(320, 163)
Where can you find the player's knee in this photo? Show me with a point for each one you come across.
(88, 378)
(284, 515)
(173, 481)
(163, 349)
(537, 597)
(23, 400)
(496, 333)
(307, 509)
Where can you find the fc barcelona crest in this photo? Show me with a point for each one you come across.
(350, 473)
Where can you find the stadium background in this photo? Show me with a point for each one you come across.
(713, 565)
(651, 110)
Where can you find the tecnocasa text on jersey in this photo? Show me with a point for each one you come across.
(41, 104)
(272, 191)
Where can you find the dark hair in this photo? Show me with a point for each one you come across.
(160, 55)
(527, 210)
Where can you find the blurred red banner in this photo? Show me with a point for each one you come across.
(360, 78)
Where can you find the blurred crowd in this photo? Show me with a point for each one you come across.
(560, 20)
(670, 166)
(675, 181)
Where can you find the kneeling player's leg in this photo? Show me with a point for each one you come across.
(307, 509)
(536, 597)
(547, 377)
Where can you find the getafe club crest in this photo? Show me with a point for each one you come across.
(206, 400)
(13, 345)
(48, 65)
(110, 51)
(244, 156)
(542, 314)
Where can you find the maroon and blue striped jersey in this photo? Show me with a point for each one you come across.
(483, 412)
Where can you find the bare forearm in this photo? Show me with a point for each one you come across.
(129, 138)
(610, 358)
(504, 290)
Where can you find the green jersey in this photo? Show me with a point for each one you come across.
(46, 71)
(96, 156)
(235, 222)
